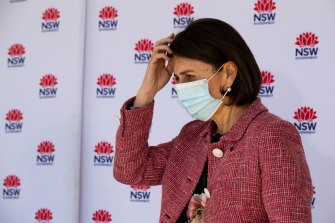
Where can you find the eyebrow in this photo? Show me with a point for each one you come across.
(185, 72)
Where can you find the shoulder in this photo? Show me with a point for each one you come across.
(275, 136)
(270, 125)
(270, 133)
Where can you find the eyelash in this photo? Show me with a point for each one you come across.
(189, 76)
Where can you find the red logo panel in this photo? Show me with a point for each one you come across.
(106, 80)
(12, 181)
(102, 216)
(183, 9)
(46, 147)
(48, 80)
(14, 115)
(142, 188)
(16, 50)
(104, 148)
(43, 214)
(307, 39)
(305, 114)
(174, 81)
(51, 14)
(108, 13)
(264, 6)
(267, 78)
(144, 45)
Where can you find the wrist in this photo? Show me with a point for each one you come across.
(143, 98)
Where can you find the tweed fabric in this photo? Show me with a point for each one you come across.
(262, 176)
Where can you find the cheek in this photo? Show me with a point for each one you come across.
(214, 90)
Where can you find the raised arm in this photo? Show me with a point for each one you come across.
(136, 163)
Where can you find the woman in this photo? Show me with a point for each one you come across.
(237, 162)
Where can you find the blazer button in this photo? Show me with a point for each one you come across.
(217, 153)
(117, 120)
(208, 195)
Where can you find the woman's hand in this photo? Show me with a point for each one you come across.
(157, 74)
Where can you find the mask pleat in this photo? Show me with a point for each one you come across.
(191, 93)
(194, 101)
(199, 106)
(208, 111)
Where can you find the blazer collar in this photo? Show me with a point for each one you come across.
(238, 129)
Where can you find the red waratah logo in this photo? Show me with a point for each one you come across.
(305, 114)
(106, 80)
(264, 6)
(174, 80)
(173, 90)
(43, 214)
(16, 50)
(48, 80)
(46, 147)
(51, 14)
(267, 78)
(313, 199)
(108, 13)
(12, 181)
(144, 45)
(307, 40)
(102, 216)
(14, 115)
(104, 148)
(183, 9)
(142, 188)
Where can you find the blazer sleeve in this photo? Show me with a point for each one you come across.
(286, 183)
(135, 162)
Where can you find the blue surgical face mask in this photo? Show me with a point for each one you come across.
(195, 98)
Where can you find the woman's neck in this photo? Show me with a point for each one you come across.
(226, 116)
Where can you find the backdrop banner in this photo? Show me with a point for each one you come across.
(41, 72)
(66, 68)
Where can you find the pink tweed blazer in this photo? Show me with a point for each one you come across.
(261, 177)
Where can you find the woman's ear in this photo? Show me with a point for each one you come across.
(230, 69)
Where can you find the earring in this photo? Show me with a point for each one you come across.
(228, 90)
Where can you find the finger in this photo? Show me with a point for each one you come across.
(162, 48)
(163, 42)
(166, 40)
(171, 36)
(169, 67)
(158, 56)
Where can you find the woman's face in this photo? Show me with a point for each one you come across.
(187, 70)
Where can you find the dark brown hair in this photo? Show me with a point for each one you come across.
(215, 42)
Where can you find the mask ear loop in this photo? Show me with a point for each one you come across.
(215, 73)
(228, 90)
